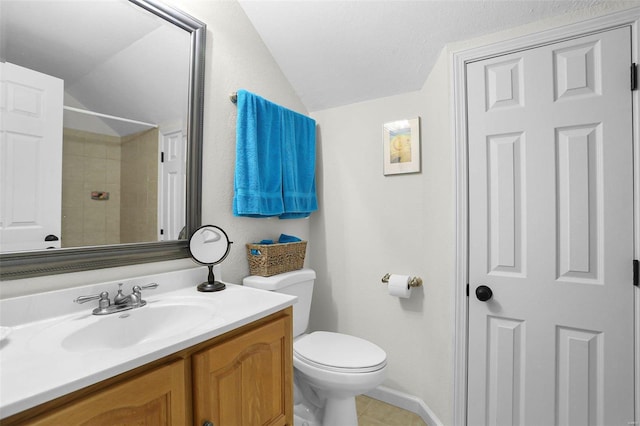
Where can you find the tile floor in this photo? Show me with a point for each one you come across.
(372, 412)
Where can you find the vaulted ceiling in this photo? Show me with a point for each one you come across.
(340, 52)
(333, 52)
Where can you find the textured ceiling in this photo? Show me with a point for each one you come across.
(340, 52)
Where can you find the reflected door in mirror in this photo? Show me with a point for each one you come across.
(174, 183)
(30, 159)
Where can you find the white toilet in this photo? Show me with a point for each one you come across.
(330, 369)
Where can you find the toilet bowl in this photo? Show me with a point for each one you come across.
(330, 369)
(338, 376)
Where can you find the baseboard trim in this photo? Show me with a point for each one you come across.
(406, 402)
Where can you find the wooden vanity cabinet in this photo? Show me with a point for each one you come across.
(246, 379)
(153, 398)
(241, 378)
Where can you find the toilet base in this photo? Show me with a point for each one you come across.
(303, 417)
(340, 411)
(337, 411)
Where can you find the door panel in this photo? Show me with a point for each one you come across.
(551, 233)
(505, 192)
(505, 376)
(579, 188)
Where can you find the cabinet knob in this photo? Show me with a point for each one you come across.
(207, 423)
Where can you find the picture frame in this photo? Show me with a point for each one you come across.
(401, 146)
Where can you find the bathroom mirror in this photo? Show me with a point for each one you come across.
(209, 245)
(144, 19)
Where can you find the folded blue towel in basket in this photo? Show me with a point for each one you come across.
(284, 238)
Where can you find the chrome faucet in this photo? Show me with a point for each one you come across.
(120, 301)
(135, 298)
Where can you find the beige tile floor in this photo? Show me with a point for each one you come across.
(372, 412)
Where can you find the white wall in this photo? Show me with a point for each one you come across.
(371, 224)
(236, 58)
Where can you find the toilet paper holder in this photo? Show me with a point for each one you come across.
(413, 282)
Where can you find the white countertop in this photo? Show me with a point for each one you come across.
(36, 368)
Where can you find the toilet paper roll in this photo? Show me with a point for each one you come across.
(399, 286)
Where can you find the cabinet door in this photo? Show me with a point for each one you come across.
(156, 398)
(246, 380)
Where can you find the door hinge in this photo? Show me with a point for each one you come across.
(162, 157)
(634, 76)
(636, 273)
(467, 290)
(162, 232)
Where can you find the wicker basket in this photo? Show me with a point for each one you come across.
(271, 259)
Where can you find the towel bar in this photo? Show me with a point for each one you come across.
(233, 97)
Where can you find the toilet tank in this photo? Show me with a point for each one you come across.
(297, 283)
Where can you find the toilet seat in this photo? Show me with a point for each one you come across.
(339, 352)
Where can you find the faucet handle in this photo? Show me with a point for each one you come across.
(103, 300)
(137, 293)
(83, 299)
(139, 288)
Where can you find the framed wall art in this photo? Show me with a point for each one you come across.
(401, 145)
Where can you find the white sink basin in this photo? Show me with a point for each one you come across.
(57, 346)
(157, 320)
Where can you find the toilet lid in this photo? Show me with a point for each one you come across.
(336, 351)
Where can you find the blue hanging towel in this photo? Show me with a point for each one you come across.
(275, 160)
(298, 165)
(258, 174)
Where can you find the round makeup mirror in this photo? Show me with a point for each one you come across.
(209, 245)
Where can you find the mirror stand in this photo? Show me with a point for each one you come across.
(209, 245)
(211, 284)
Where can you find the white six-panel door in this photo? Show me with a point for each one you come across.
(30, 158)
(173, 184)
(551, 234)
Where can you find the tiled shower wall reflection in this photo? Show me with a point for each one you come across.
(125, 167)
(139, 189)
(90, 162)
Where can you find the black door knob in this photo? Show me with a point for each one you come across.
(483, 293)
